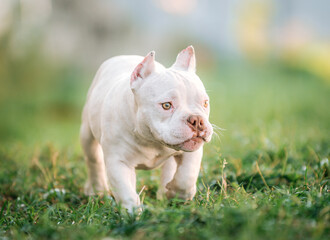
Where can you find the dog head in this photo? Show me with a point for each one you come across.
(172, 104)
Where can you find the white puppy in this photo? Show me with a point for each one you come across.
(141, 115)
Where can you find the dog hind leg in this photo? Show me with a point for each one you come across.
(167, 173)
(97, 182)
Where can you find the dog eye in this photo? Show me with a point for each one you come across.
(167, 105)
(206, 103)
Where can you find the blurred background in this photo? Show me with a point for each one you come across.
(265, 64)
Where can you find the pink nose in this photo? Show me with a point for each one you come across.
(196, 123)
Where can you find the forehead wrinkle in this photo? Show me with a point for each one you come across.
(167, 90)
(188, 79)
(169, 95)
(192, 86)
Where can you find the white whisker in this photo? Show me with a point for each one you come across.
(217, 132)
(218, 129)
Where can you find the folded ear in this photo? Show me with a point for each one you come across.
(186, 60)
(144, 69)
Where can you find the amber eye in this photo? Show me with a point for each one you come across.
(206, 103)
(167, 105)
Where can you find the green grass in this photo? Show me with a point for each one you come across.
(266, 177)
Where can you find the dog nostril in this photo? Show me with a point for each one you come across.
(201, 123)
(192, 121)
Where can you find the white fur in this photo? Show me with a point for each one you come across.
(124, 126)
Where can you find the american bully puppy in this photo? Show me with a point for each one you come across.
(141, 115)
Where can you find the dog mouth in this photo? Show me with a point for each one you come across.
(195, 139)
(189, 145)
(192, 144)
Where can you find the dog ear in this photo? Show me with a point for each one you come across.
(144, 69)
(186, 60)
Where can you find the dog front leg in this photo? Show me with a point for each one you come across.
(122, 179)
(184, 181)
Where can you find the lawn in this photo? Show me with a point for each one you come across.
(266, 175)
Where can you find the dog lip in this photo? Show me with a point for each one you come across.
(196, 139)
(178, 146)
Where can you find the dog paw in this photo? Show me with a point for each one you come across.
(176, 192)
(161, 193)
(88, 189)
